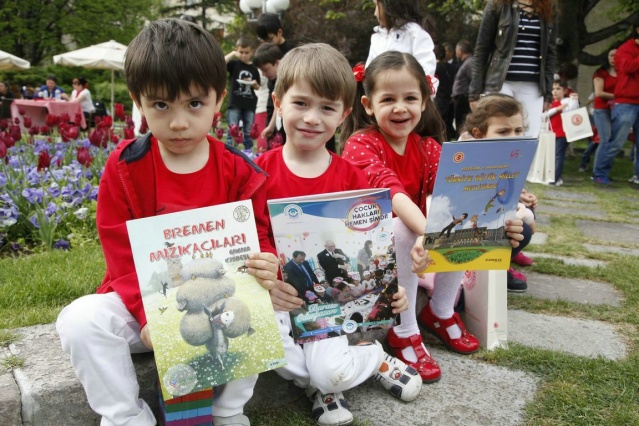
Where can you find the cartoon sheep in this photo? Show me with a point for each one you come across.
(212, 314)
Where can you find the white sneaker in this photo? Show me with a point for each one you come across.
(331, 409)
(634, 179)
(401, 380)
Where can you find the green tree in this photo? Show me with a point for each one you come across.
(38, 29)
(202, 9)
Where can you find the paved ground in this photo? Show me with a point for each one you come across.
(471, 392)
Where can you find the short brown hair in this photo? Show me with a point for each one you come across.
(493, 105)
(169, 56)
(325, 69)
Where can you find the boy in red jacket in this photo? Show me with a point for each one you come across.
(176, 75)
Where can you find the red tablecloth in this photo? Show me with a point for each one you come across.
(38, 110)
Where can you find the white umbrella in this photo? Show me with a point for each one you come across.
(10, 62)
(107, 56)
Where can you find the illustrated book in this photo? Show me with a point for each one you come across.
(337, 250)
(210, 321)
(477, 189)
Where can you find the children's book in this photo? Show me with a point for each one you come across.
(477, 189)
(210, 321)
(318, 240)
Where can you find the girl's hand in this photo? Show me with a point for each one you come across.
(145, 336)
(514, 229)
(284, 297)
(419, 255)
(528, 199)
(264, 267)
(267, 132)
(400, 301)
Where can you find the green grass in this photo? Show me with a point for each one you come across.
(572, 390)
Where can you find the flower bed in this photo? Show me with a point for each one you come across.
(50, 177)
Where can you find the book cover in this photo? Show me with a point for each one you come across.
(210, 321)
(319, 239)
(477, 189)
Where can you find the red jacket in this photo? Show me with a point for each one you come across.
(128, 191)
(627, 66)
(370, 152)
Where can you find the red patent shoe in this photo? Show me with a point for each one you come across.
(522, 260)
(466, 344)
(427, 367)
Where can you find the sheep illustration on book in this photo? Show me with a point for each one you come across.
(212, 314)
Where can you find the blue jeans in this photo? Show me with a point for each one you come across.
(233, 116)
(601, 117)
(560, 155)
(624, 117)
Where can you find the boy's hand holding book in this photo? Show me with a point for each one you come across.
(264, 267)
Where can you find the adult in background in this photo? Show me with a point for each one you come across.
(445, 72)
(82, 95)
(464, 53)
(6, 97)
(604, 81)
(333, 261)
(51, 90)
(625, 112)
(515, 54)
(364, 257)
(300, 274)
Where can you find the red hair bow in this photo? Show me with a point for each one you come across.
(359, 72)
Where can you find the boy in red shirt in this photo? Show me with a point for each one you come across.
(313, 99)
(176, 75)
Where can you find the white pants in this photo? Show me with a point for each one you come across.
(330, 365)
(100, 334)
(444, 293)
(528, 94)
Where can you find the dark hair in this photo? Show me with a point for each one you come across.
(400, 12)
(244, 41)
(52, 77)
(267, 53)
(367, 248)
(561, 83)
(465, 46)
(83, 81)
(267, 23)
(308, 63)
(297, 253)
(430, 124)
(605, 63)
(493, 105)
(169, 56)
(440, 52)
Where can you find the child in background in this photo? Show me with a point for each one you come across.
(394, 134)
(245, 80)
(399, 29)
(313, 100)
(560, 103)
(267, 59)
(176, 75)
(501, 116)
(269, 29)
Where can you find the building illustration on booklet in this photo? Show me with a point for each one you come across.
(477, 189)
(321, 241)
(210, 321)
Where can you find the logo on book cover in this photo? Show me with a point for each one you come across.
(364, 215)
(293, 211)
(241, 213)
(458, 157)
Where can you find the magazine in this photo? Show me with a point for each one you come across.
(210, 321)
(321, 241)
(477, 189)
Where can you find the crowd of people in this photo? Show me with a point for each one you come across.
(392, 112)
